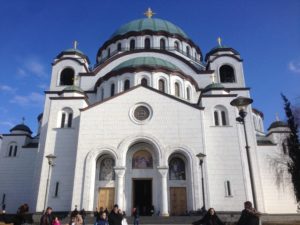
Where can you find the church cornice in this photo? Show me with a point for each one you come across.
(117, 56)
(72, 59)
(148, 32)
(147, 87)
(146, 68)
(227, 55)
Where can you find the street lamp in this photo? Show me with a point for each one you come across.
(50, 158)
(241, 103)
(201, 157)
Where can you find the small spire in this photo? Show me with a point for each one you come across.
(219, 41)
(149, 13)
(277, 117)
(75, 44)
(213, 76)
(23, 120)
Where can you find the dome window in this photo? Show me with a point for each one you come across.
(108, 53)
(12, 150)
(188, 93)
(112, 90)
(176, 45)
(177, 90)
(147, 43)
(188, 51)
(67, 77)
(162, 44)
(132, 45)
(144, 82)
(161, 85)
(227, 74)
(119, 47)
(126, 85)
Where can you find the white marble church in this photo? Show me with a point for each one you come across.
(132, 128)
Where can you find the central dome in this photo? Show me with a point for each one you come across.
(149, 24)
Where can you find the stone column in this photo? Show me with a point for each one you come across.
(120, 172)
(164, 210)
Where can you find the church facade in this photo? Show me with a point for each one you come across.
(130, 131)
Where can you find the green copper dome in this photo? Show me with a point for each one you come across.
(73, 88)
(149, 24)
(147, 61)
(213, 86)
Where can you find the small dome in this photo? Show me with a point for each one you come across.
(213, 86)
(152, 24)
(222, 48)
(73, 51)
(277, 124)
(146, 61)
(21, 127)
(73, 88)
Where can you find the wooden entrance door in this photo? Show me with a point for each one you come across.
(178, 201)
(106, 198)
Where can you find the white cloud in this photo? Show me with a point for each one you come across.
(294, 66)
(32, 99)
(6, 123)
(6, 88)
(32, 66)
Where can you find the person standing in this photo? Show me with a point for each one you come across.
(136, 216)
(249, 215)
(56, 221)
(210, 218)
(47, 218)
(83, 215)
(103, 219)
(115, 218)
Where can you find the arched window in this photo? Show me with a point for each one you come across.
(132, 44)
(102, 94)
(67, 76)
(106, 168)
(227, 74)
(162, 44)
(188, 93)
(216, 117)
(126, 85)
(12, 150)
(66, 118)
(176, 45)
(285, 147)
(147, 43)
(176, 169)
(108, 52)
(119, 47)
(188, 51)
(161, 85)
(144, 82)
(112, 89)
(220, 116)
(177, 90)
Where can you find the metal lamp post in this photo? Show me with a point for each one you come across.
(201, 157)
(50, 158)
(241, 103)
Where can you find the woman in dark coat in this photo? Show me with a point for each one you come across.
(249, 215)
(210, 218)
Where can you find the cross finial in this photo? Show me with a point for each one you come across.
(219, 41)
(277, 117)
(75, 44)
(149, 13)
(213, 76)
(23, 120)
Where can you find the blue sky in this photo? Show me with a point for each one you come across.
(32, 33)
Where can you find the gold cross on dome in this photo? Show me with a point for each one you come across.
(220, 41)
(75, 44)
(149, 13)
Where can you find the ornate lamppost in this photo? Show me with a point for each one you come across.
(50, 158)
(201, 157)
(241, 103)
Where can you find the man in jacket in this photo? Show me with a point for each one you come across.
(115, 218)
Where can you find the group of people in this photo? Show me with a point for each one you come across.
(115, 217)
(249, 216)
